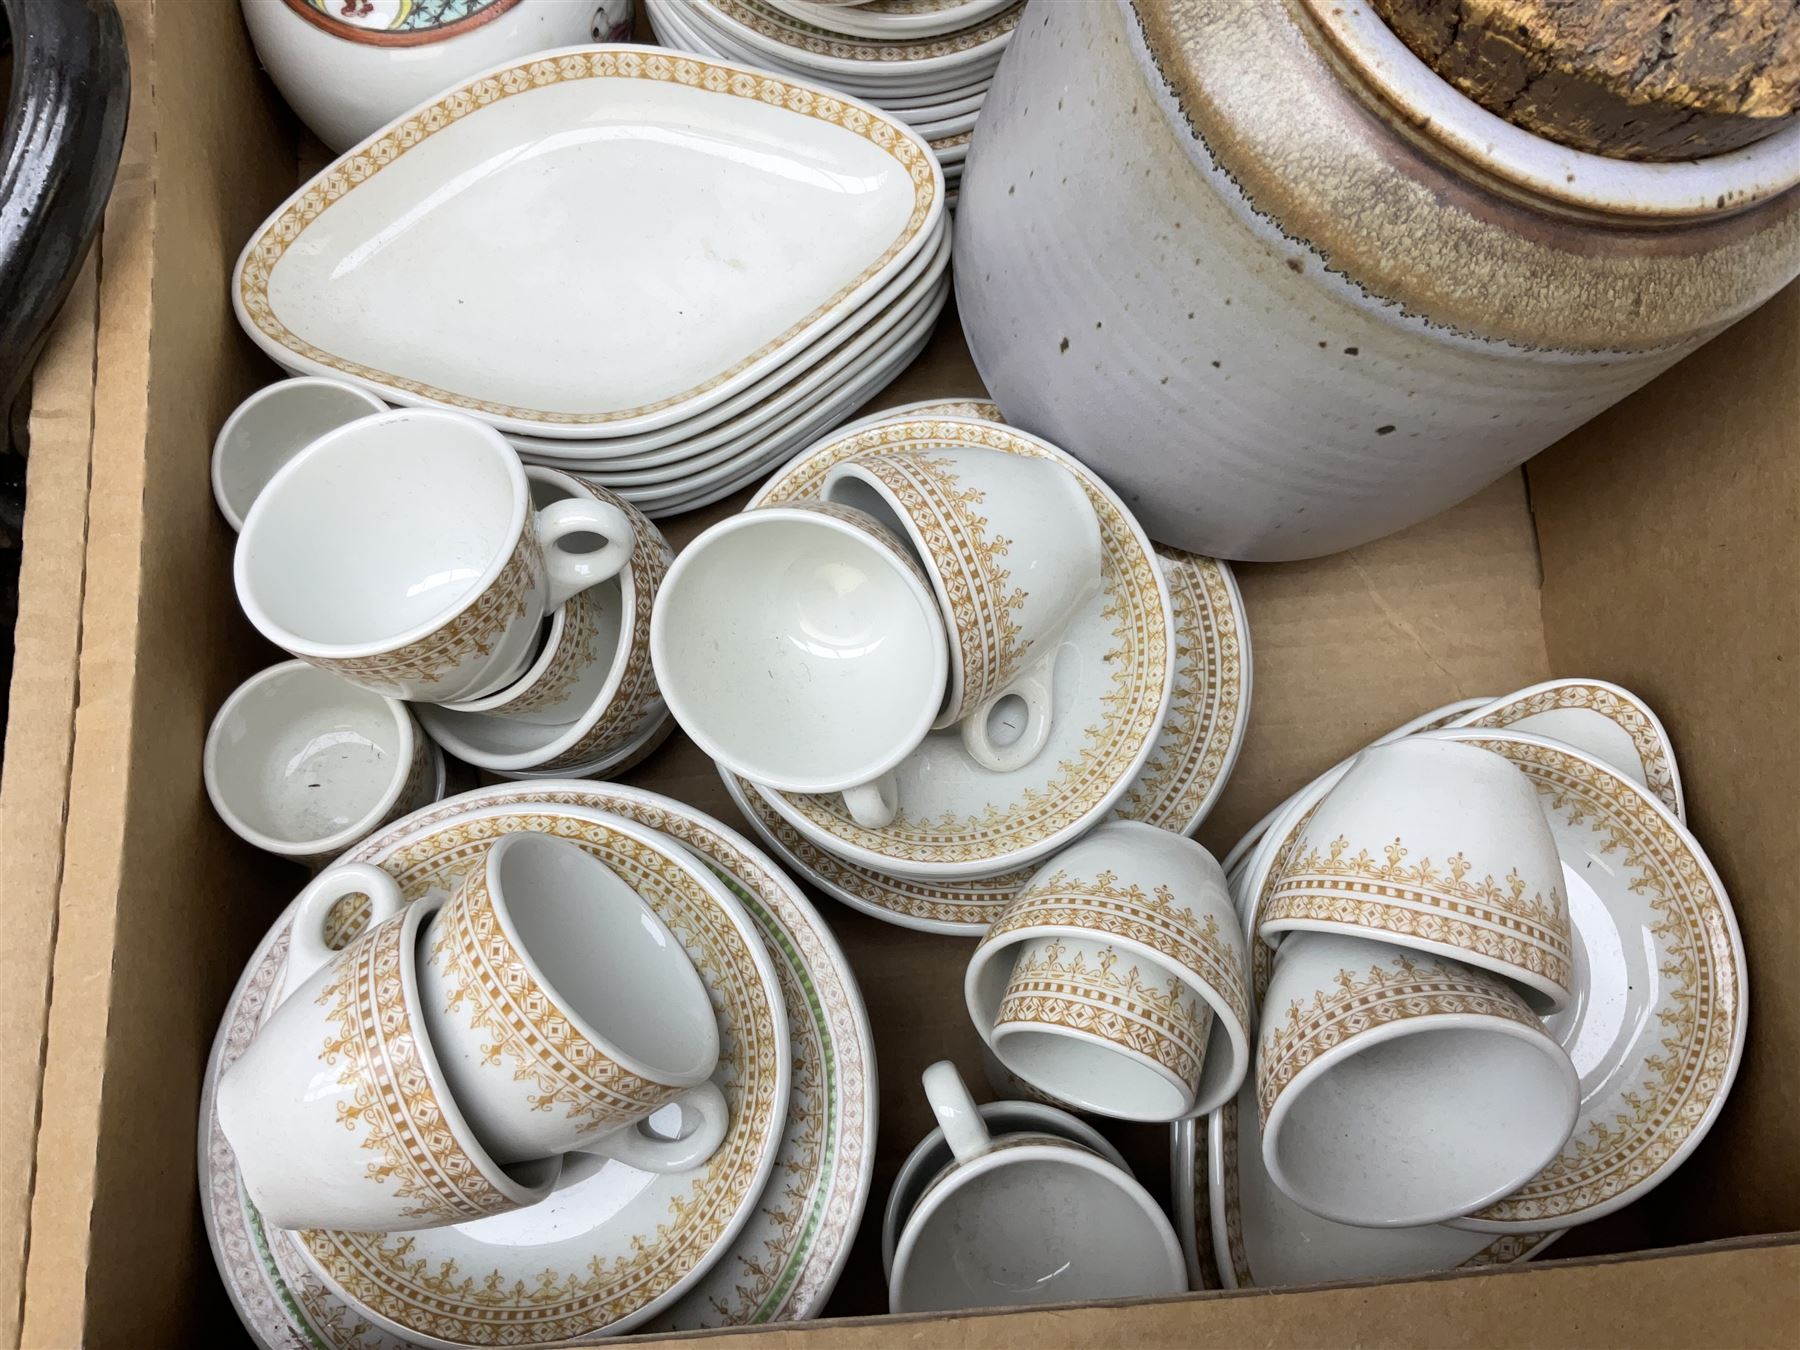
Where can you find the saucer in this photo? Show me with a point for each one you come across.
(1656, 1028)
(1175, 790)
(1603, 719)
(691, 179)
(785, 1260)
(1114, 680)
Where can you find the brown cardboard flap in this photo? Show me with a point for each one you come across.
(1670, 529)
(158, 905)
(40, 741)
(1741, 1297)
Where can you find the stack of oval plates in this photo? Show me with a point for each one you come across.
(928, 62)
(665, 272)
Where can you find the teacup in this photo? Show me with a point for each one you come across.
(1435, 846)
(581, 653)
(1397, 1089)
(564, 1012)
(801, 647)
(403, 552)
(1003, 1119)
(338, 1112)
(623, 712)
(273, 425)
(1116, 980)
(1027, 1218)
(1012, 547)
(302, 764)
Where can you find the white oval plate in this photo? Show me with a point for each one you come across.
(606, 238)
(769, 448)
(820, 362)
(783, 1264)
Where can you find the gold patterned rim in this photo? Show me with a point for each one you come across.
(1166, 1024)
(1491, 922)
(1152, 922)
(1687, 1055)
(1619, 706)
(785, 1263)
(494, 988)
(388, 1273)
(1398, 989)
(1135, 603)
(290, 222)
(636, 700)
(760, 25)
(399, 1104)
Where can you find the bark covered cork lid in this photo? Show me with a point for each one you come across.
(1631, 79)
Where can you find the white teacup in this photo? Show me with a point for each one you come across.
(273, 425)
(403, 552)
(1397, 1089)
(1003, 1119)
(1116, 980)
(338, 1112)
(303, 764)
(1012, 547)
(1028, 1218)
(565, 1012)
(800, 647)
(1435, 846)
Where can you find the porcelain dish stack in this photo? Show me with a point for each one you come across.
(469, 992)
(1599, 975)
(926, 62)
(1137, 695)
(684, 295)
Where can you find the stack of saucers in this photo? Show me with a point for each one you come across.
(539, 1064)
(670, 302)
(929, 62)
(1506, 887)
(967, 537)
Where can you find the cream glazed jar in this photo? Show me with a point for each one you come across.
(1289, 291)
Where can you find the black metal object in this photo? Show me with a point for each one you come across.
(65, 126)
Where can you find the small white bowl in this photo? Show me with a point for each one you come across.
(273, 425)
(303, 764)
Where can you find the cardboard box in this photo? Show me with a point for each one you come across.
(1658, 547)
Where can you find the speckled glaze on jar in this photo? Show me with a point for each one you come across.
(1288, 293)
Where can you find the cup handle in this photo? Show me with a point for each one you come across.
(571, 573)
(1034, 687)
(964, 1130)
(704, 1120)
(873, 805)
(307, 951)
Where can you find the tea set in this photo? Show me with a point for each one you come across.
(557, 1058)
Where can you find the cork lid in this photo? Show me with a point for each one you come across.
(1629, 79)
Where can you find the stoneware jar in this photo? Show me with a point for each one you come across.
(1287, 290)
